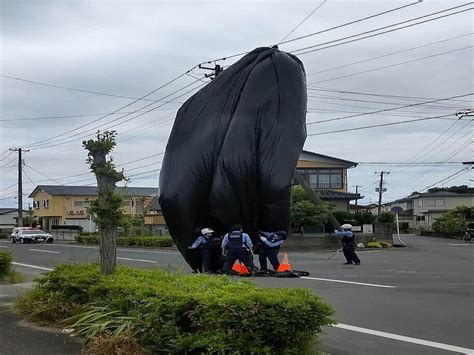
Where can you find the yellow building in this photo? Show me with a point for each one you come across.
(68, 205)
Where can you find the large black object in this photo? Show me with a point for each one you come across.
(233, 150)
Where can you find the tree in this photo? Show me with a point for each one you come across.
(106, 209)
(304, 213)
(454, 222)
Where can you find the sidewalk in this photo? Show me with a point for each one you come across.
(22, 338)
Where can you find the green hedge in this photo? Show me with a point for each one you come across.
(176, 313)
(130, 241)
(5, 264)
(3, 236)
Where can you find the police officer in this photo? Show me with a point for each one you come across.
(348, 244)
(270, 247)
(204, 243)
(237, 245)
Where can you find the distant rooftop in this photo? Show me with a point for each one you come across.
(64, 190)
(327, 157)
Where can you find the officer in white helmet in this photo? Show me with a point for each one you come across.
(205, 243)
(348, 244)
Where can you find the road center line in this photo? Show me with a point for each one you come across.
(46, 251)
(141, 260)
(33, 266)
(347, 282)
(406, 339)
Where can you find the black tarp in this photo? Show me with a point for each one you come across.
(233, 150)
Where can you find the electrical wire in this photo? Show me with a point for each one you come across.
(36, 171)
(389, 109)
(313, 48)
(391, 65)
(388, 54)
(303, 21)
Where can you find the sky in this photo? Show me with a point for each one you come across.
(118, 51)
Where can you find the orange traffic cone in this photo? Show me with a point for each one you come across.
(237, 267)
(285, 264)
(243, 270)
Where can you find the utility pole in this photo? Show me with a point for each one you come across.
(20, 183)
(381, 190)
(357, 191)
(215, 71)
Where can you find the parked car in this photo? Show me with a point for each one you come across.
(31, 236)
(17, 229)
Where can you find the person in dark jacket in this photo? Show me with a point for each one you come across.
(237, 245)
(270, 247)
(348, 244)
(204, 243)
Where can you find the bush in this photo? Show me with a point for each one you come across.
(176, 313)
(453, 223)
(5, 264)
(364, 217)
(343, 217)
(385, 217)
(156, 242)
(3, 236)
(404, 226)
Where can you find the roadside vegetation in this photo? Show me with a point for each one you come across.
(7, 275)
(155, 242)
(165, 312)
(454, 223)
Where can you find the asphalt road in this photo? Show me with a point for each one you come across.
(414, 300)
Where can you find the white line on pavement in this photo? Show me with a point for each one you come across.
(406, 339)
(1, 246)
(46, 251)
(347, 282)
(32, 266)
(120, 249)
(463, 244)
(143, 261)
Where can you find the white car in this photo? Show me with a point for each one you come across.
(31, 236)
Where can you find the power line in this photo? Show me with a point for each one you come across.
(391, 65)
(350, 23)
(302, 21)
(389, 109)
(463, 170)
(378, 125)
(313, 48)
(388, 54)
(36, 171)
(6, 156)
(379, 95)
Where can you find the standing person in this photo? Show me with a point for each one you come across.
(348, 244)
(204, 243)
(271, 243)
(237, 245)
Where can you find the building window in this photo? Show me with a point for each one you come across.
(420, 218)
(36, 204)
(323, 178)
(80, 203)
(439, 203)
(430, 203)
(46, 203)
(420, 203)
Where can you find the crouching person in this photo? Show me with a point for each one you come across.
(237, 245)
(204, 243)
(270, 248)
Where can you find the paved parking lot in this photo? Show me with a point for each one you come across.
(414, 300)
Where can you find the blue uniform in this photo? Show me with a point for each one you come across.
(204, 244)
(237, 245)
(348, 246)
(269, 249)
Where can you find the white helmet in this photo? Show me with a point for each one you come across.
(206, 231)
(347, 226)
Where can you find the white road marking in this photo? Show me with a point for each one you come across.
(143, 261)
(120, 249)
(1, 246)
(463, 244)
(46, 251)
(33, 266)
(347, 282)
(406, 339)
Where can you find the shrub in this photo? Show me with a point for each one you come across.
(3, 236)
(453, 223)
(385, 217)
(364, 217)
(5, 264)
(175, 313)
(343, 216)
(156, 242)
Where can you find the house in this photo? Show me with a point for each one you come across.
(68, 205)
(9, 218)
(431, 205)
(328, 177)
(406, 214)
(363, 208)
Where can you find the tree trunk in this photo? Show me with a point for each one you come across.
(314, 197)
(108, 250)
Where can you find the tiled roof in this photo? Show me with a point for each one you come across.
(64, 190)
(336, 195)
(317, 155)
(154, 204)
